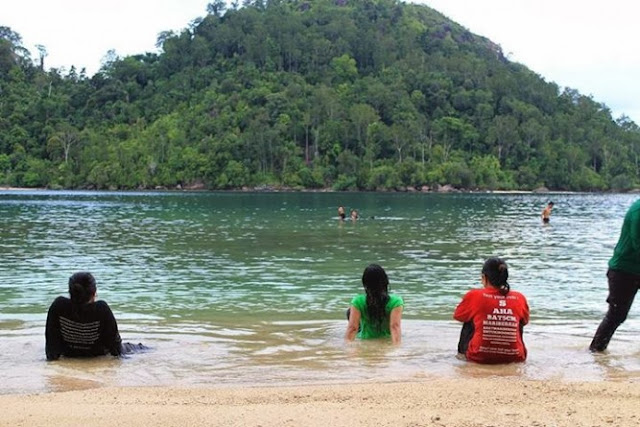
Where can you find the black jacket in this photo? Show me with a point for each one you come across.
(85, 330)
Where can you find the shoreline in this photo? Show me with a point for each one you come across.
(23, 189)
(430, 402)
(273, 189)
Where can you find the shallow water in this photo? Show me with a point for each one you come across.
(239, 288)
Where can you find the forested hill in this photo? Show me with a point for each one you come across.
(344, 94)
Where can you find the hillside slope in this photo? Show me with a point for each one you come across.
(353, 95)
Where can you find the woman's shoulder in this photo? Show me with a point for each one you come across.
(478, 291)
(102, 310)
(395, 300)
(358, 298)
(101, 305)
(60, 301)
(518, 294)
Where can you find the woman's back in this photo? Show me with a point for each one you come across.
(497, 322)
(493, 317)
(369, 328)
(86, 330)
(376, 313)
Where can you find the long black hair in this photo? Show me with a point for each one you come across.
(497, 273)
(82, 287)
(376, 284)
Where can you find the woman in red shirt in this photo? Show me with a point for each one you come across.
(493, 318)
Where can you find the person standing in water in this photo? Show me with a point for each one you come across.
(546, 213)
(493, 318)
(354, 215)
(376, 313)
(341, 213)
(623, 277)
(80, 326)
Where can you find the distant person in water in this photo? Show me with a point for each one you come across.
(493, 317)
(546, 213)
(80, 326)
(376, 313)
(354, 215)
(623, 277)
(341, 213)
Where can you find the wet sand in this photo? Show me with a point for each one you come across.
(461, 402)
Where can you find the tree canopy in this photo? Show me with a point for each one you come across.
(351, 95)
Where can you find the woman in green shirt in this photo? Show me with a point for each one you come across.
(375, 314)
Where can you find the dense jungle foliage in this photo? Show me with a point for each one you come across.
(344, 94)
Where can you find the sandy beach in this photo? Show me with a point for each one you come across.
(460, 402)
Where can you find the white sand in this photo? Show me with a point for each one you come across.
(461, 402)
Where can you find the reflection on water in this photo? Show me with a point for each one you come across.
(251, 288)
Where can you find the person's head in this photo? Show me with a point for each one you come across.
(550, 204)
(375, 280)
(495, 274)
(82, 287)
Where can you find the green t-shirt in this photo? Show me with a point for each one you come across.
(626, 255)
(367, 329)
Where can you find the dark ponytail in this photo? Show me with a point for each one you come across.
(497, 273)
(82, 287)
(376, 283)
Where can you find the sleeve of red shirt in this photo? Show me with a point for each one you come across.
(525, 314)
(464, 311)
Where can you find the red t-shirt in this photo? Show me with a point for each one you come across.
(497, 321)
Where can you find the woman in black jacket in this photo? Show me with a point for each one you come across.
(80, 326)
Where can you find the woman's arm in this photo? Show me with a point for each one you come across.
(464, 310)
(354, 323)
(395, 325)
(53, 338)
(110, 335)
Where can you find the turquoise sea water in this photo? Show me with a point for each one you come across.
(251, 288)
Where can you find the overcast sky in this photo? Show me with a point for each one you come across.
(588, 45)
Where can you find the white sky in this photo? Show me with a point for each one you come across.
(80, 32)
(588, 45)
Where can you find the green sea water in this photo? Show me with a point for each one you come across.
(251, 288)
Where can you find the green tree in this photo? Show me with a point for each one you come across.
(354, 95)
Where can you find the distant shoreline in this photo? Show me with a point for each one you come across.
(21, 189)
(277, 189)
